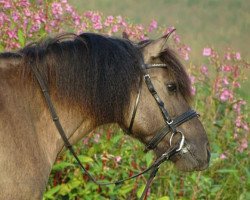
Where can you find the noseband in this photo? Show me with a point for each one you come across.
(170, 126)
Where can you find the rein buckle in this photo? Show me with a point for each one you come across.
(181, 142)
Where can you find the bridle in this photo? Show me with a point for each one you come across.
(170, 126)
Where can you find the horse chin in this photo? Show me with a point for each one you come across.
(185, 161)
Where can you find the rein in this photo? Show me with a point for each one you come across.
(170, 127)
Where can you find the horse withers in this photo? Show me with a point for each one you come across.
(92, 80)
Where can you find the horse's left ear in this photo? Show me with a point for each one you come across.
(155, 47)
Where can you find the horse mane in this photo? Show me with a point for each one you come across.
(95, 72)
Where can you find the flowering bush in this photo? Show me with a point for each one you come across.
(216, 84)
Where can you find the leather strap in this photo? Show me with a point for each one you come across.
(166, 129)
(135, 107)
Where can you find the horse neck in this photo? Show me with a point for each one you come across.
(28, 136)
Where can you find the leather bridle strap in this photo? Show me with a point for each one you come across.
(135, 107)
(171, 124)
(166, 129)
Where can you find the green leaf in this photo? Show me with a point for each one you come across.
(50, 193)
(1, 48)
(85, 159)
(74, 183)
(126, 188)
(65, 189)
(227, 171)
(21, 37)
(140, 191)
(164, 198)
(62, 165)
(149, 159)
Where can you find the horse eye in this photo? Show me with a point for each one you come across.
(172, 87)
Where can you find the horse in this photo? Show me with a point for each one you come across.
(92, 80)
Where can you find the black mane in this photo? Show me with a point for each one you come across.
(95, 72)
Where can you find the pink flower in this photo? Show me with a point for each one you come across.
(119, 19)
(96, 18)
(169, 29)
(83, 27)
(143, 37)
(97, 26)
(12, 34)
(245, 126)
(238, 122)
(15, 16)
(23, 3)
(237, 106)
(226, 95)
(88, 14)
(3, 18)
(236, 84)
(69, 8)
(27, 12)
(186, 56)
(53, 23)
(192, 79)
(188, 48)
(114, 28)
(193, 90)
(153, 25)
(6, 4)
(227, 68)
(97, 138)
(85, 140)
(227, 56)
(207, 52)
(204, 70)
(176, 38)
(237, 56)
(109, 20)
(223, 156)
(76, 19)
(243, 145)
(57, 10)
(118, 159)
(225, 81)
(35, 27)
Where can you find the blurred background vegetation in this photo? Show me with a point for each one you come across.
(215, 23)
(106, 152)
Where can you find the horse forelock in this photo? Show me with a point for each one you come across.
(177, 70)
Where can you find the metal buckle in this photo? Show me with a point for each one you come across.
(170, 122)
(181, 142)
(146, 76)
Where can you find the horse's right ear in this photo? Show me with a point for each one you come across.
(155, 47)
